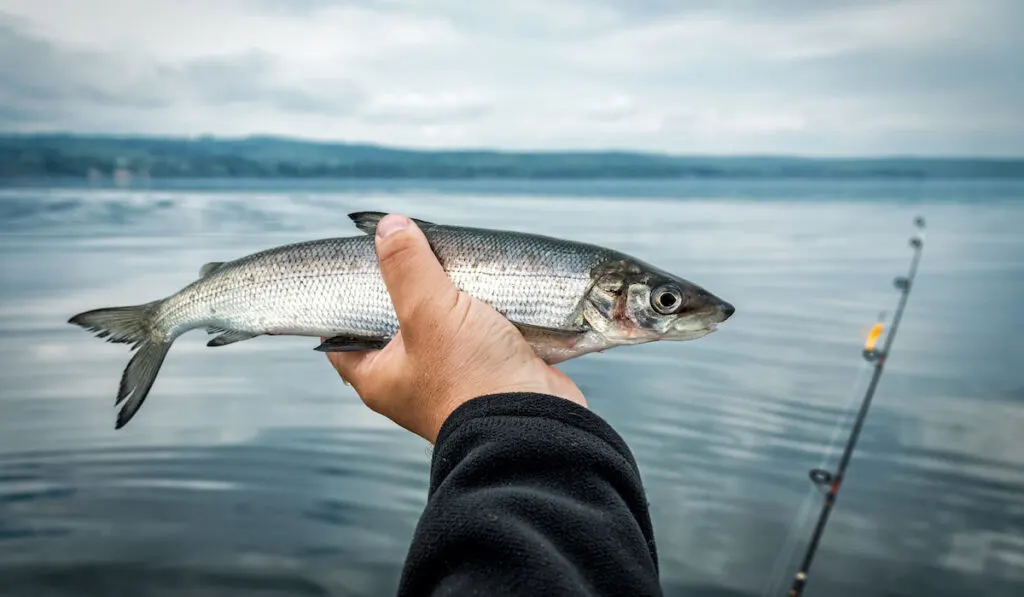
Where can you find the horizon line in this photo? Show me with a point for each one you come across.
(498, 150)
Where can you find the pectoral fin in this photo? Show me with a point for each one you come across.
(550, 344)
(352, 343)
(537, 332)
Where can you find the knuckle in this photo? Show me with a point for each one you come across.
(460, 311)
(434, 314)
(372, 401)
(370, 394)
(423, 314)
(397, 252)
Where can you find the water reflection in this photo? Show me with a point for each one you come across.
(301, 509)
(252, 470)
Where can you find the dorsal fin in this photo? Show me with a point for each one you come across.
(209, 268)
(367, 221)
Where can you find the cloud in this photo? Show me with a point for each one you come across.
(255, 77)
(738, 76)
(50, 84)
(425, 109)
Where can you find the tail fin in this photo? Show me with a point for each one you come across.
(129, 325)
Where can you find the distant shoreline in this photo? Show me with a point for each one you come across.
(130, 161)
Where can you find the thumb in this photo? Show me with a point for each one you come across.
(418, 285)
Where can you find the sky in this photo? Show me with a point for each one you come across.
(808, 77)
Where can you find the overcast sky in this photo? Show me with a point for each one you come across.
(815, 77)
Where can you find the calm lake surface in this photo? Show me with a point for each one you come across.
(253, 470)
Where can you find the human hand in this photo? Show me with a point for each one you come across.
(450, 348)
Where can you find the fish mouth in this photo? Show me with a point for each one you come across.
(725, 311)
(691, 328)
(720, 312)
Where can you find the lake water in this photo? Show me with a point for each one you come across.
(253, 470)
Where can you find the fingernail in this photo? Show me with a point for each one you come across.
(390, 224)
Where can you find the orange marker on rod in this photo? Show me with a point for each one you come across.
(873, 336)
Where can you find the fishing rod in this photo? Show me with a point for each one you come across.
(833, 480)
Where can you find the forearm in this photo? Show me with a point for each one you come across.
(532, 494)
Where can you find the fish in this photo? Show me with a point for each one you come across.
(567, 298)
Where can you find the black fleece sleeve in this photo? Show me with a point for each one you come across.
(531, 495)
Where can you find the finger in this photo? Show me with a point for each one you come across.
(560, 384)
(369, 372)
(346, 364)
(417, 283)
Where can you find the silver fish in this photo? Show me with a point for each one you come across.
(567, 298)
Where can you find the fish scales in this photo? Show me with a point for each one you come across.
(567, 298)
(333, 286)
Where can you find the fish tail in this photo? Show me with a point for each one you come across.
(130, 325)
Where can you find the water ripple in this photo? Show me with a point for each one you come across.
(236, 479)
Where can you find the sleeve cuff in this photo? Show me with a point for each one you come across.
(530, 404)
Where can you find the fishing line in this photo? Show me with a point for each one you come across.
(787, 550)
(829, 482)
(856, 390)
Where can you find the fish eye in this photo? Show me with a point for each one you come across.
(666, 300)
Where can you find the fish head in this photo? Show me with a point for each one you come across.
(631, 302)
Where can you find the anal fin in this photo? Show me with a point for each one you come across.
(230, 337)
(345, 343)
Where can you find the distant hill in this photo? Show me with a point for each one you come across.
(63, 155)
